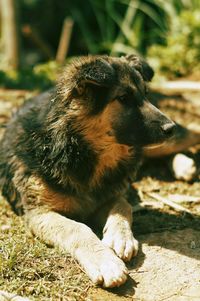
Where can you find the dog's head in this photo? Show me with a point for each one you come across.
(113, 92)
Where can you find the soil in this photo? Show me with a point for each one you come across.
(168, 264)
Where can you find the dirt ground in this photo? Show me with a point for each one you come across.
(167, 268)
(168, 264)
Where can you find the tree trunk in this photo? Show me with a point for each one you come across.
(10, 33)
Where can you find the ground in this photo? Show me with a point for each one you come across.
(167, 266)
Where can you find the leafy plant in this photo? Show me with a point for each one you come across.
(40, 77)
(181, 53)
(118, 26)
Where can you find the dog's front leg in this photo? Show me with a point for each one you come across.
(117, 233)
(99, 262)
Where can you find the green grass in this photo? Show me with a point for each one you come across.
(30, 268)
(27, 266)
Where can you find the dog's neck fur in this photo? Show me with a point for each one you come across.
(75, 163)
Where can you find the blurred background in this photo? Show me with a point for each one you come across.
(38, 36)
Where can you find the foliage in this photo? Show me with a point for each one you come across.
(119, 26)
(157, 28)
(181, 54)
(40, 77)
(102, 26)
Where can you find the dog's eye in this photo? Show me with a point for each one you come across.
(123, 98)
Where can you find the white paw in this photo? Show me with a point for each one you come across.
(120, 238)
(102, 266)
(183, 167)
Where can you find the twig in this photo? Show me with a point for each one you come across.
(177, 86)
(34, 35)
(168, 202)
(144, 204)
(181, 198)
(64, 40)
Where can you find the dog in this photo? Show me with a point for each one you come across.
(67, 157)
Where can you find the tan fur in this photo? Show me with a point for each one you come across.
(100, 262)
(69, 206)
(98, 131)
(117, 233)
(49, 212)
(39, 194)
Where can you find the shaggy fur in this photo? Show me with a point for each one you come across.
(68, 154)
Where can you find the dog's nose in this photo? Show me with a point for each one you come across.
(168, 128)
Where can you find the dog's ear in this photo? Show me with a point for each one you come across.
(140, 65)
(97, 72)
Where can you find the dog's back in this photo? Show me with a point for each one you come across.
(9, 161)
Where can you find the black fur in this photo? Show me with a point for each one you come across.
(44, 135)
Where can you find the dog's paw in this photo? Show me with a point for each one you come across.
(119, 237)
(183, 167)
(103, 267)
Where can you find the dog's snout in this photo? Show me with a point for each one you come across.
(168, 128)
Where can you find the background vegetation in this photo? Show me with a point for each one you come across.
(166, 32)
(39, 36)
